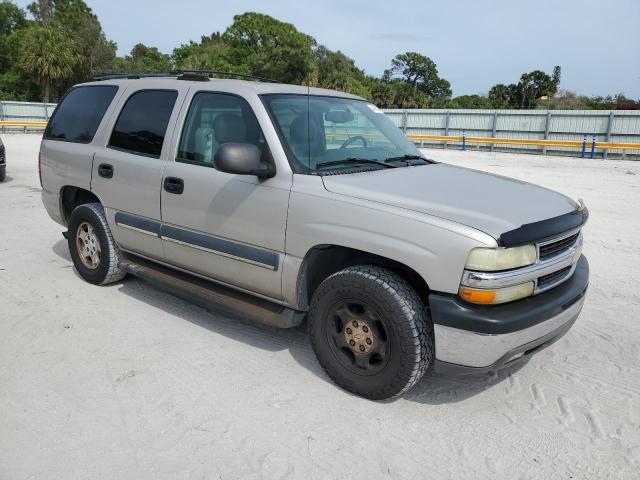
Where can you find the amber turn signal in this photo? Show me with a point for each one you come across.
(499, 295)
(478, 296)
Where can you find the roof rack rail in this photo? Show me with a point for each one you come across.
(133, 75)
(194, 75)
(230, 74)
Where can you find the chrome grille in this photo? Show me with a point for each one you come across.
(552, 278)
(553, 248)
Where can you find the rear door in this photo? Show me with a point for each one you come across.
(127, 170)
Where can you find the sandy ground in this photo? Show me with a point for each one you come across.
(127, 382)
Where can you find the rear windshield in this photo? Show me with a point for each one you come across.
(78, 116)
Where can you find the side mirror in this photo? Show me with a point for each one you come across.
(242, 159)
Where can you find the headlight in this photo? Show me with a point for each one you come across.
(495, 259)
(498, 295)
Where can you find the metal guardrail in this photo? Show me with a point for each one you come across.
(617, 127)
(26, 125)
(583, 145)
(11, 123)
(463, 139)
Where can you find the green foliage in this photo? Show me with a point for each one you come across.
(463, 101)
(502, 96)
(382, 93)
(212, 53)
(338, 72)
(564, 100)
(12, 18)
(527, 92)
(420, 73)
(144, 59)
(269, 47)
(76, 48)
(619, 101)
(49, 54)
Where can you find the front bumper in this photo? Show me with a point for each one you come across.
(477, 339)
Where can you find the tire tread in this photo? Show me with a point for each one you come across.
(412, 324)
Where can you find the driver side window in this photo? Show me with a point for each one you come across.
(213, 120)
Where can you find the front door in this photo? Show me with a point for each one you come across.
(127, 172)
(227, 227)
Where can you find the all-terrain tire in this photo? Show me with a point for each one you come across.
(107, 270)
(398, 310)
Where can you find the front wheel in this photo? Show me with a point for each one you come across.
(371, 332)
(93, 250)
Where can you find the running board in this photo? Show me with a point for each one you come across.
(212, 296)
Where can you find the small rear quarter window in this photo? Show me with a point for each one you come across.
(79, 114)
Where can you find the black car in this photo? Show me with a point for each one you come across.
(3, 161)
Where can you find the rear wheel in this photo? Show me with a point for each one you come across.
(371, 332)
(3, 173)
(93, 250)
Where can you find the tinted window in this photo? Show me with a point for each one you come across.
(143, 122)
(214, 119)
(79, 114)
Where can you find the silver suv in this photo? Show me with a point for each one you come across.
(281, 203)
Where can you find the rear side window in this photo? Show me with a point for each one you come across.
(79, 114)
(142, 124)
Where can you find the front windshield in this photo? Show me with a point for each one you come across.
(331, 132)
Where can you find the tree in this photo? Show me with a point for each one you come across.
(270, 48)
(610, 102)
(500, 96)
(526, 93)
(469, 101)
(564, 100)
(144, 59)
(382, 93)
(12, 18)
(337, 71)
(532, 86)
(420, 73)
(555, 76)
(48, 53)
(406, 96)
(212, 53)
(95, 53)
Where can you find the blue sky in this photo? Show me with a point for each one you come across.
(475, 44)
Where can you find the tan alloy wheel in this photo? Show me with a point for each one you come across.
(88, 245)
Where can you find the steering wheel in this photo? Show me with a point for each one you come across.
(350, 140)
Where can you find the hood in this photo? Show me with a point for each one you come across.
(487, 202)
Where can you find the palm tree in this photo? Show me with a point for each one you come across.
(48, 53)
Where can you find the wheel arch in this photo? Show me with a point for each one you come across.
(324, 260)
(71, 197)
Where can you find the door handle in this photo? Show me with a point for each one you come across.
(174, 185)
(105, 170)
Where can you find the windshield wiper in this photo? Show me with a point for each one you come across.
(350, 160)
(408, 157)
